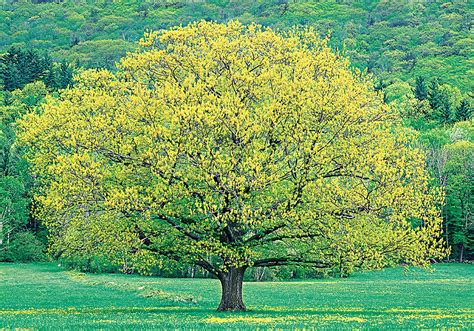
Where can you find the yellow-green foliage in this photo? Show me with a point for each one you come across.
(236, 145)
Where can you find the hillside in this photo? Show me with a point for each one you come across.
(397, 40)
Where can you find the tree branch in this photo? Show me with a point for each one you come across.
(263, 234)
(178, 227)
(207, 266)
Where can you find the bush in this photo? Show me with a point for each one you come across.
(93, 264)
(24, 247)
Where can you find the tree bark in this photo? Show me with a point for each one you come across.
(231, 282)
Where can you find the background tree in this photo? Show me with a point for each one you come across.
(450, 157)
(459, 191)
(19, 67)
(444, 99)
(20, 238)
(234, 143)
(437, 99)
(464, 111)
(420, 91)
(24, 76)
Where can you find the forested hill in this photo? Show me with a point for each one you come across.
(397, 40)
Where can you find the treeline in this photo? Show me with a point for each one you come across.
(443, 116)
(26, 77)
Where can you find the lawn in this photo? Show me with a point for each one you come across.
(47, 297)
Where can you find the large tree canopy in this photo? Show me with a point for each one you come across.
(231, 146)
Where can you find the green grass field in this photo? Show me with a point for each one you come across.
(47, 297)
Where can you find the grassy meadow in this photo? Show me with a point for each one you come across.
(45, 296)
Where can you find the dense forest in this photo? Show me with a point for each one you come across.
(419, 54)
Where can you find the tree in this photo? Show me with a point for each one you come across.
(19, 67)
(60, 75)
(65, 73)
(420, 91)
(17, 242)
(380, 87)
(435, 96)
(464, 111)
(450, 158)
(440, 101)
(444, 112)
(459, 203)
(235, 143)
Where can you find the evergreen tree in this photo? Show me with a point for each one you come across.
(50, 79)
(19, 67)
(463, 111)
(434, 95)
(421, 91)
(439, 103)
(65, 71)
(9, 73)
(444, 113)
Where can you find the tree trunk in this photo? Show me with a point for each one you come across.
(461, 253)
(231, 282)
